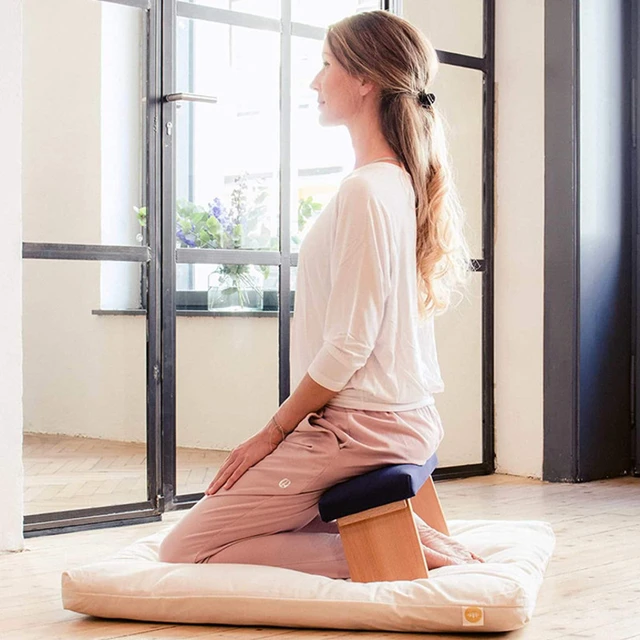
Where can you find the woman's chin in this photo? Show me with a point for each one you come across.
(326, 121)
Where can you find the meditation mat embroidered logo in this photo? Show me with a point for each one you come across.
(472, 617)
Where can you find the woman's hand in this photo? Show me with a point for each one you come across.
(242, 458)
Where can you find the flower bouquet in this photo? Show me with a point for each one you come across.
(244, 224)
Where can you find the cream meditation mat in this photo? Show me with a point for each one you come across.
(499, 595)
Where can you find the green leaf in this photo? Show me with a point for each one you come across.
(266, 270)
(198, 217)
(213, 225)
(261, 197)
(141, 214)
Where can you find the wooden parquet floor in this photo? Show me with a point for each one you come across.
(66, 472)
(591, 589)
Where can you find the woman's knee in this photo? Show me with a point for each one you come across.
(173, 549)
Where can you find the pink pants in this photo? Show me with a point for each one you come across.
(270, 515)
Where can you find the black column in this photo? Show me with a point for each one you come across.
(587, 324)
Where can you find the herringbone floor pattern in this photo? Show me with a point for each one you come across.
(66, 472)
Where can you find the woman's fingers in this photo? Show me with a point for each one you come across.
(221, 472)
(222, 476)
(235, 476)
(239, 461)
(229, 460)
(227, 479)
(212, 484)
(216, 483)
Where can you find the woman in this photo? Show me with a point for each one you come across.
(380, 260)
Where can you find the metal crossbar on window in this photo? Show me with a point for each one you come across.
(58, 251)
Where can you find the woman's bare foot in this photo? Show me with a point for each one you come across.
(441, 550)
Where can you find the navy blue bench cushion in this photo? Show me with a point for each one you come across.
(374, 489)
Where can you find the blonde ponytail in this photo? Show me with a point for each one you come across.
(394, 55)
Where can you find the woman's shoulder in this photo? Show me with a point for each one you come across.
(355, 184)
(375, 185)
(375, 179)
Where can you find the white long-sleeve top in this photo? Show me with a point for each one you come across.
(356, 326)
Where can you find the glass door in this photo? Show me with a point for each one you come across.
(90, 285)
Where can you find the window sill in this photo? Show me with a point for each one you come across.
(190, 313)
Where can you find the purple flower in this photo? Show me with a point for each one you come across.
(188, 240)
(216, 208)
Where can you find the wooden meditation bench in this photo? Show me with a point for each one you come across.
(374, 512)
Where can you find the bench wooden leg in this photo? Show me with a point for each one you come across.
(383, 544)
(427, 505)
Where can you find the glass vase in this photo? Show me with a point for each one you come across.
(235, 288)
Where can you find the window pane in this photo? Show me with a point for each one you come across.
(84, 388)
(227, 377)
(451, 25)
(459, 342)
(325, 13)
(227, 288)
(265, 8)
(84, 123)
(459, 98)
(228, 153)
(321, 156)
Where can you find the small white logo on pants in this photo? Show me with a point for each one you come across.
(284, 483)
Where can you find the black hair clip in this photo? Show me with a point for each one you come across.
(426, 99)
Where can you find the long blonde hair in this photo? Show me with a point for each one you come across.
(400, 60)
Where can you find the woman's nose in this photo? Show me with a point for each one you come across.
(314, 84)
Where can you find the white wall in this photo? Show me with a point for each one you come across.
(11, 472)
(450, 25)
(519, 264)
(61, 129)
(519, 189)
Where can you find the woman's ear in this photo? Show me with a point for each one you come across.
(365, 87)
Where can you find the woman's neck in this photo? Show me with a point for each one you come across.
(368, 142)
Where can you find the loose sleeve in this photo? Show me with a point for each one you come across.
(360, 260)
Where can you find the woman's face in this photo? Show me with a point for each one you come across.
(339, 94)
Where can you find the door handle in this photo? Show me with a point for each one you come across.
(190, 97)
